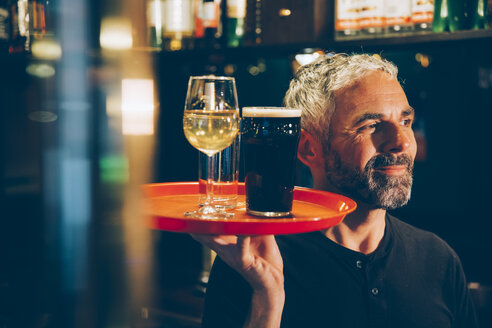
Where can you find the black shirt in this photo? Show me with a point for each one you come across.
(413, 279)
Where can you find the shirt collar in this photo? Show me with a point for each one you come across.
(381, 251)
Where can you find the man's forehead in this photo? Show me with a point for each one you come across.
(371, 82)
(376, 92)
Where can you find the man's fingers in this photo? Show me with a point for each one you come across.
(243, 242)
(214, 241)
(245, 255)
(256, 258)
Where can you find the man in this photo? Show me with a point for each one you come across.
(371, 270)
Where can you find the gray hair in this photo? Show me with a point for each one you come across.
(313, 86)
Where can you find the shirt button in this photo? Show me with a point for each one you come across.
(358, 264)
(375, 291)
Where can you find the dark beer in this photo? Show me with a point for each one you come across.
(270, 137)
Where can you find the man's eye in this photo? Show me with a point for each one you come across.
(368, 128)
(407, 122)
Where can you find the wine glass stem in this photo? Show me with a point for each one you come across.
(210, 181)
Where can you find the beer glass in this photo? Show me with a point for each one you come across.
(270, 137)
(211, 124)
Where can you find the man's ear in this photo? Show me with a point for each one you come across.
(310, 151)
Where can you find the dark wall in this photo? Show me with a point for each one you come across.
(452, 97)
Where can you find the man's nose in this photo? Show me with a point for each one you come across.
(397, 139)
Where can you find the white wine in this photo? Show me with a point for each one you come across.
(210, 131)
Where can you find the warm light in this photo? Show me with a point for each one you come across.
(40, 70)
(116, 34)
(424, 60)
(304, 59)
(46, 49)
(113, 106)
(253, 70)
(229, 69)
(284, 12)
(113, 110)
(137, 106)
(42, 116)
(308, 57)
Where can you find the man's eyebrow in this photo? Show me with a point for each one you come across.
(367, 116)
(375, 116)
(408, 112)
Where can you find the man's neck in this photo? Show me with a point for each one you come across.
(361, 231)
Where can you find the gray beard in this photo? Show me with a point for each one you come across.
(374, 188)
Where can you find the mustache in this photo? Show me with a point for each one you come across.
(389, 160)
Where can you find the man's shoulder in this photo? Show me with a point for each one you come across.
(299, 241)
(302, 247)
(419, 239)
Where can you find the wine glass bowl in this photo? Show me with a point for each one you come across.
(210, 124)
(210, 131)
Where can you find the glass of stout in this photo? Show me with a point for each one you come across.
(270, 136)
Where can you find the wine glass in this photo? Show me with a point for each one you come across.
(210, 124)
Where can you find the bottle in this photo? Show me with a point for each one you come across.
(253, 23)
(4, 25)
(440, 18)
(37, 10)
(482, 14)
(258, 20)
(488, 14)
(178, 24)
(198, 31)
(347, 18)
(249, 37)
(212, 24)
(155, 29)
(371, 16)
(398, 16)
(465, 15)
(422, 15)
(20, 37)
(234, 22)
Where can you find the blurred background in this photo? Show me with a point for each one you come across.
(91, 101)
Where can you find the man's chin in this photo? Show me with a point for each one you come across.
(391, 199)
(382, 185)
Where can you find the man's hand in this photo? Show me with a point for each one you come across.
(258, 260)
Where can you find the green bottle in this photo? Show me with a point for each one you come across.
(482, 14)
(440, 19)
(234, 23)
(155, 23)
(463, 14)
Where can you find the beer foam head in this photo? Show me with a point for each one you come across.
(271, 112)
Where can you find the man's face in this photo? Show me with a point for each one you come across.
(371, 149)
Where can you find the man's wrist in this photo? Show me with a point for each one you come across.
(269, 297)
(266, 308)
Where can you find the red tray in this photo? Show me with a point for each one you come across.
(165, 203)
